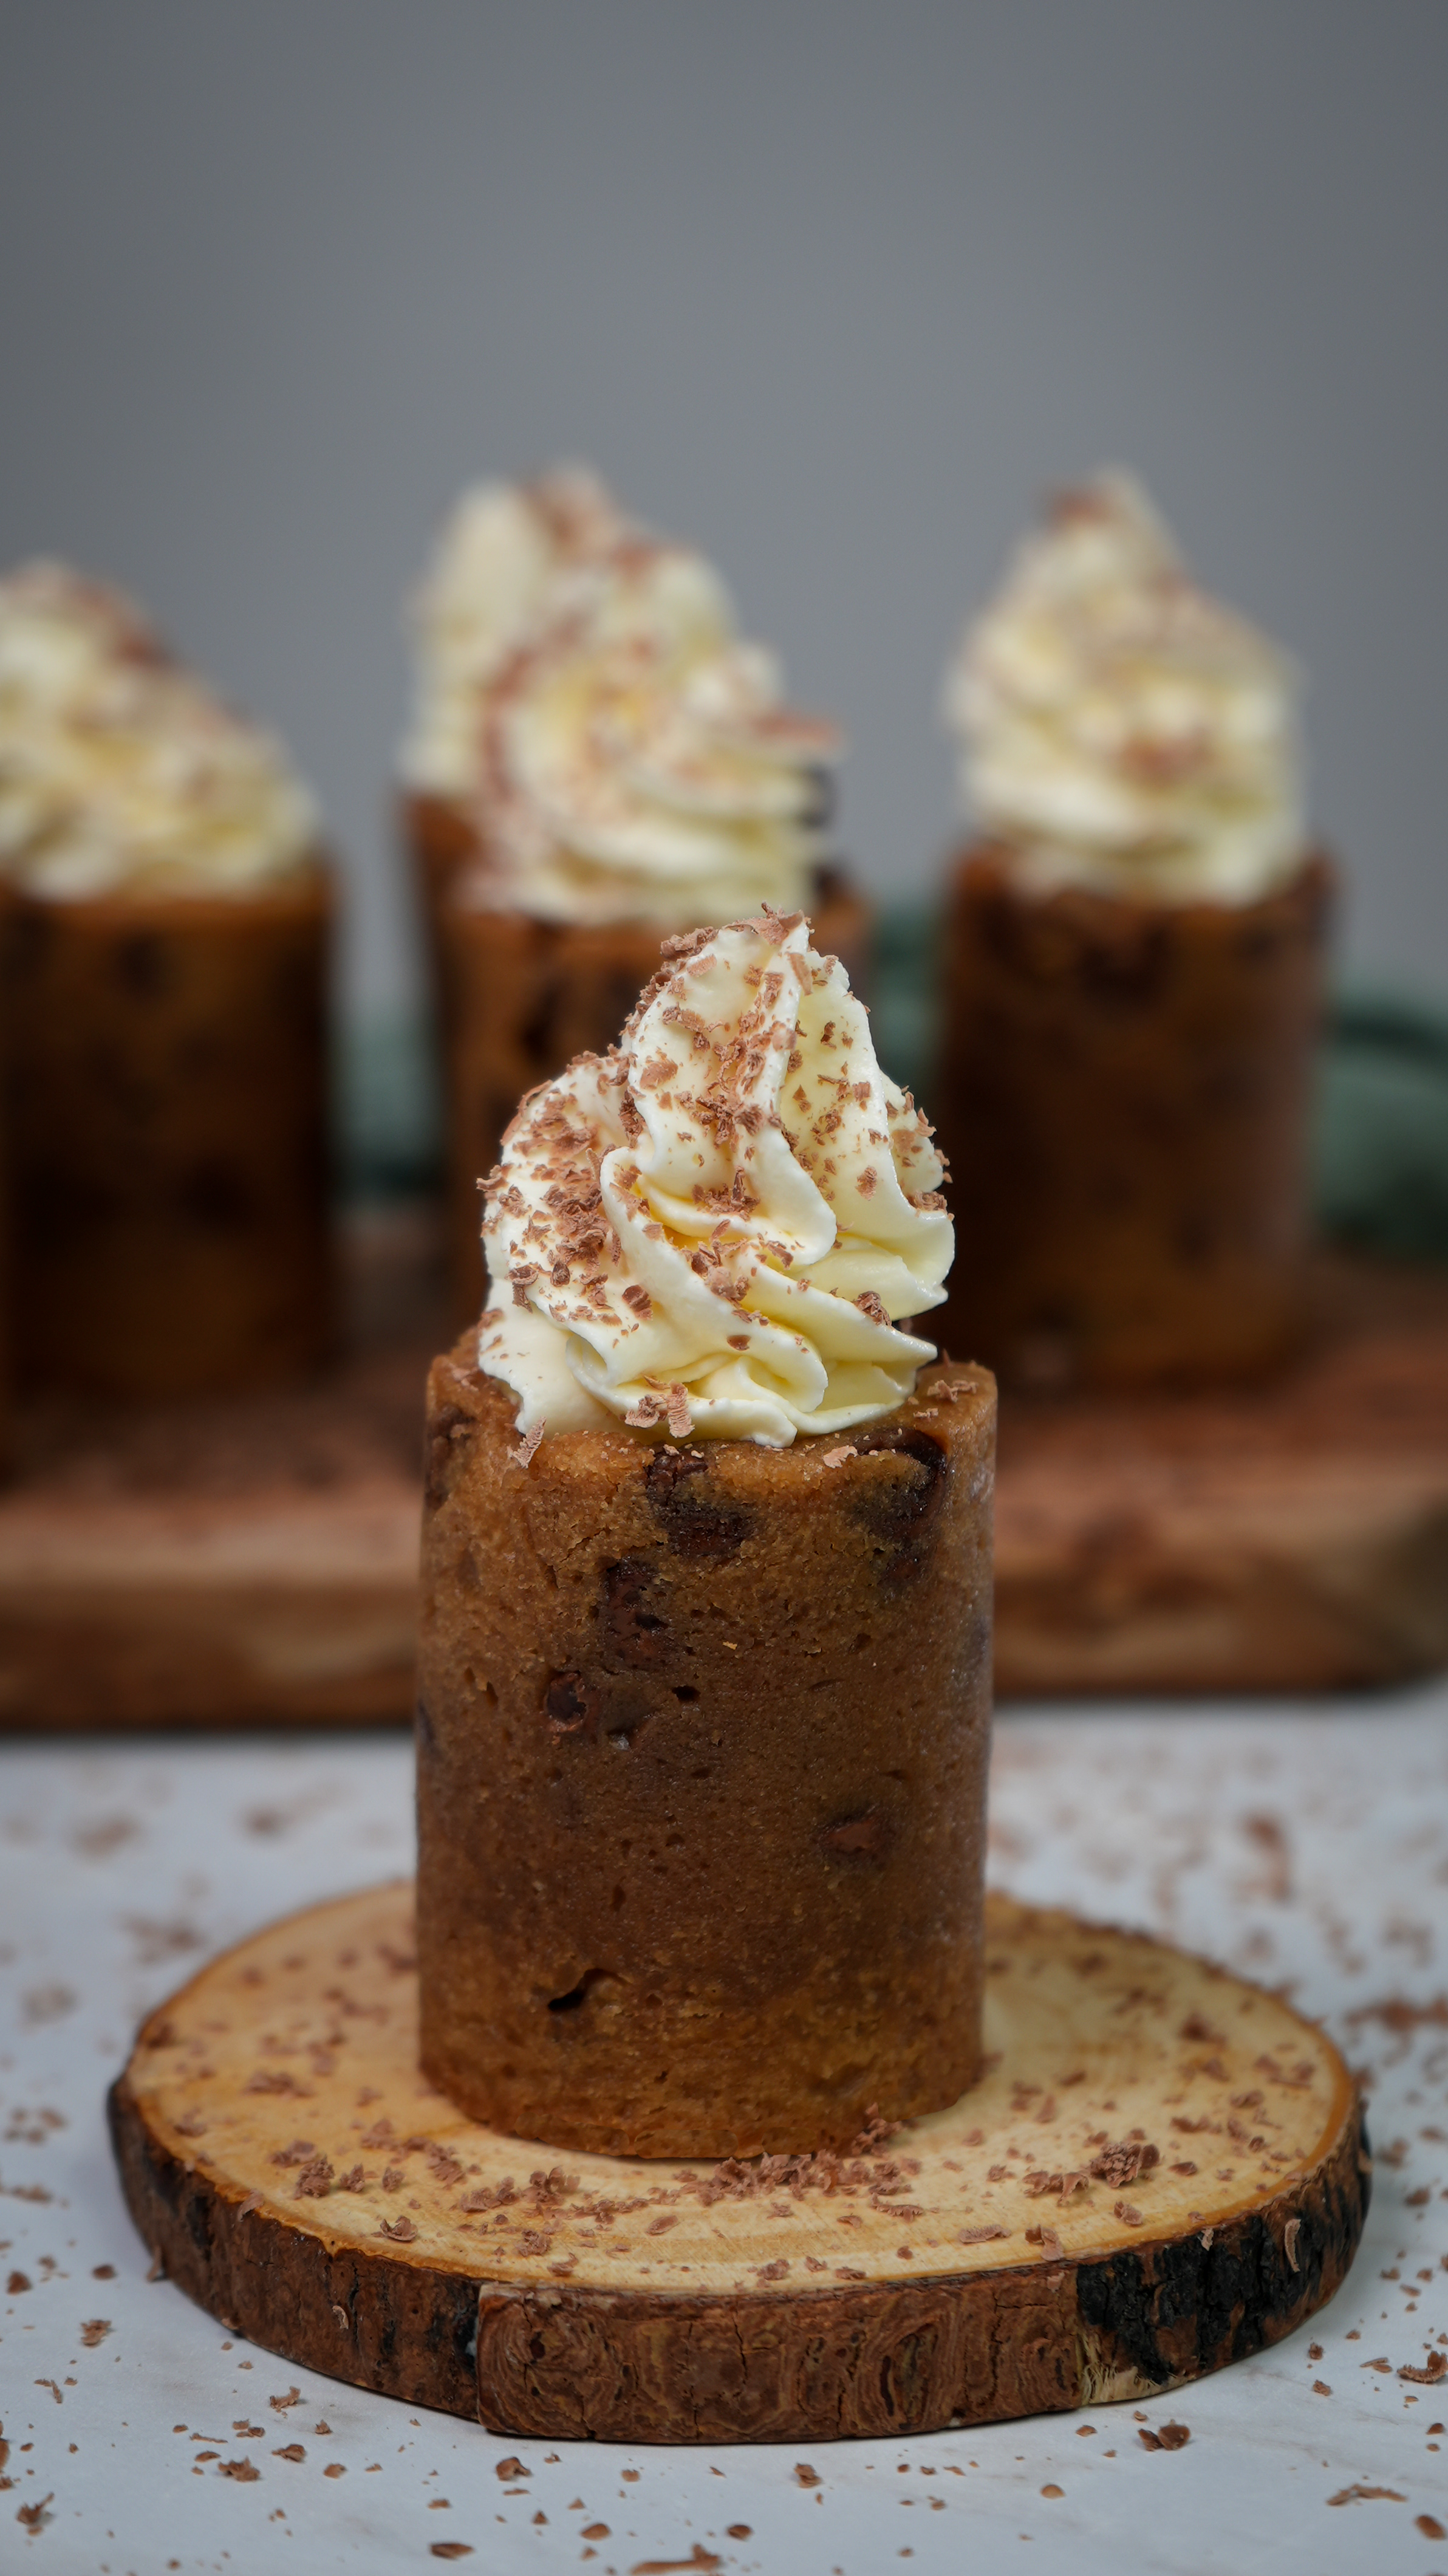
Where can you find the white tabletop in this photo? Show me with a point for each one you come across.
(1303, 1846)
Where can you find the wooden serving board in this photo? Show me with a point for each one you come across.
(1162, 2169)
(1287, 1537)
(255, 1561)
(237, 1562)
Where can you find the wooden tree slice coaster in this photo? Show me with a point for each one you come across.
(1162, 2169)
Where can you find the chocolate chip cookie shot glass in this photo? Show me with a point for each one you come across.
(164, 955)
(1135, 965)
(1129, 1084)
(597, 758)
(704, 1656)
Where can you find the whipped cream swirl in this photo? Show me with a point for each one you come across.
(712, 1230)
(497, 558)
(626, 753)
(1121, 729)
(119, 772)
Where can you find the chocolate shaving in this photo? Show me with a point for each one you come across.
(1060, 2185)
(522, 1456)
(546, 2190)
(1126, 2161)
(1397, 2014)
(876, 2133)
(481, 2198)
(1047, 2239)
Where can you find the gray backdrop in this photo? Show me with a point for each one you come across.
(832, 289)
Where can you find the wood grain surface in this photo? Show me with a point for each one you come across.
(248, 1561)
(1287, 1537)
(1161, 2170)
(257, 1561)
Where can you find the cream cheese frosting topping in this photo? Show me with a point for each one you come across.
(1121, 729)
(716, 1228)
(494, 564)
(119, 772)
(586, 691)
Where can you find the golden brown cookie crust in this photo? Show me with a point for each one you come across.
(167, 1075)
(702, 1739)
(1125, 1090)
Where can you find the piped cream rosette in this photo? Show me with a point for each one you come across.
(120, 773)
(503, 550)
(638, 759)
(1120, 728)
(716, 1228)
(583, 689)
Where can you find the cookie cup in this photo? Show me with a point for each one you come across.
(166, 1062)
(701, 1769)
(1126, 1089)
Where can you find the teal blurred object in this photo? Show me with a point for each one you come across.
(1381, 1148)
(905, 1004)
(1380, 1155)
(389, 1109)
